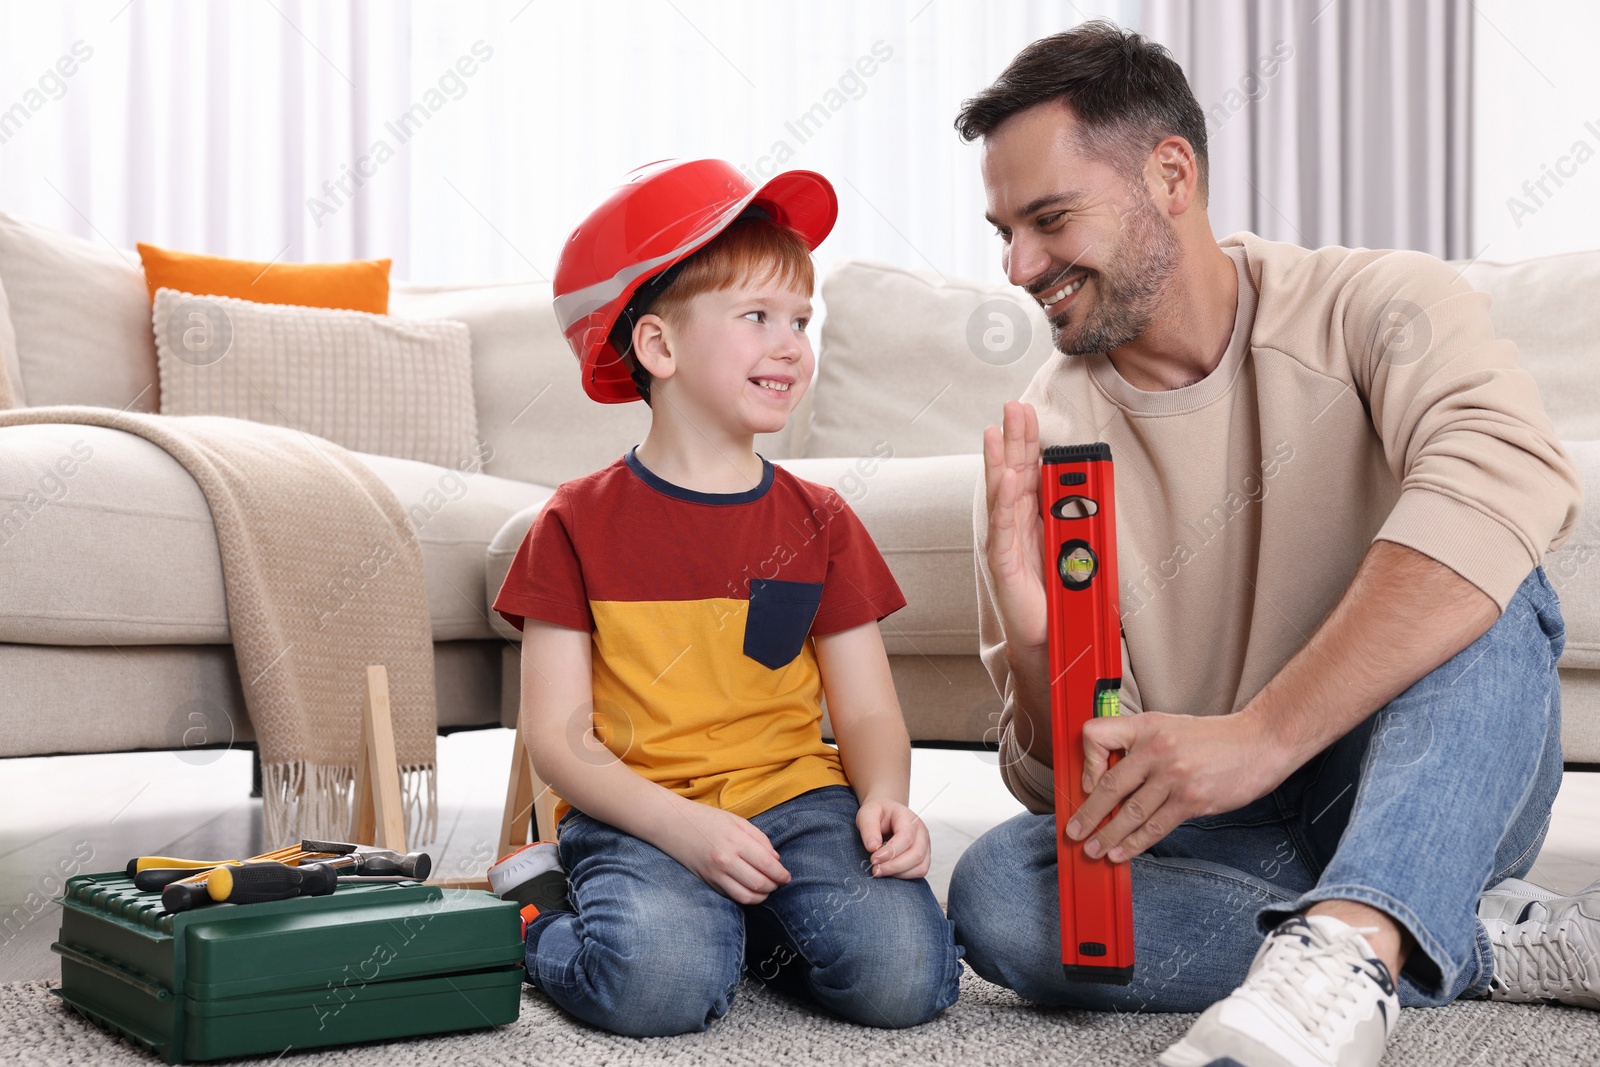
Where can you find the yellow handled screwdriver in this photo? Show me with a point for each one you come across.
(141, 863)
(191, 891)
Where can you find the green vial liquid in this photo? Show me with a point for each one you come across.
(1107, 702)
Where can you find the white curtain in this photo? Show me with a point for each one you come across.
(229, 128)
(1344, 122)
(463, 140)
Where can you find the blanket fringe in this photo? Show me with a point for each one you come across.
(419, 789)
(303, 800)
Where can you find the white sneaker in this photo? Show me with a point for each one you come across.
(1506, 902)
(1546, 946)
(1316, 995)
(531, 876)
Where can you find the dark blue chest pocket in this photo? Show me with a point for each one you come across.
(779, 620)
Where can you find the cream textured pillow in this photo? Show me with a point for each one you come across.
(1546, 306)
(80, 320)
(372, 383)
(532, 409)
(918, 361)
(10, 371)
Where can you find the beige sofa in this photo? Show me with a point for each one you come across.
(113, 626)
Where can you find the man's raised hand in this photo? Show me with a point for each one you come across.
(1016, 529)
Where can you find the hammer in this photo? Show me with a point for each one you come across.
(369, 859)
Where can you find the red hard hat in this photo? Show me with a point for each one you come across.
(661, 214)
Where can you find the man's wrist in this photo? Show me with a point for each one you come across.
(1275, 730)
(1030, 671)
(1020, 654)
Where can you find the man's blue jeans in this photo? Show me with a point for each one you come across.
(1440, 794)
(653, 950)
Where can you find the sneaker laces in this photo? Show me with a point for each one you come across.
(1547, 961)
(1283, 978)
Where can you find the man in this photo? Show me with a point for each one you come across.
(1334, 490)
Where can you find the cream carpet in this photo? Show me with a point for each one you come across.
(988, 1025)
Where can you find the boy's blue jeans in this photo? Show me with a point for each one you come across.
(653, 950)
(1442, 793)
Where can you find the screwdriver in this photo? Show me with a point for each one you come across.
(257, 883)
(141, 863)
(191, 891)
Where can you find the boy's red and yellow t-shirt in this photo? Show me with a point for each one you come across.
(702, 607)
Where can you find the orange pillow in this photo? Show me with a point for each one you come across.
(359, 285)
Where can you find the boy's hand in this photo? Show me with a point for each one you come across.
(906, 852)
(727, 853)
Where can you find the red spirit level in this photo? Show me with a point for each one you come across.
(1077, 498)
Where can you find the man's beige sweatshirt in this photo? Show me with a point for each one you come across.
(1363, 396)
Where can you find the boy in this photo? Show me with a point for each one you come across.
(687, 607)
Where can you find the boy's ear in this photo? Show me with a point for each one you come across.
(652, 346)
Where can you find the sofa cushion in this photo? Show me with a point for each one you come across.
(81, 316)
(920, 361)
(1547, 307)
(919, 512)
(183, 697)
(456, 515)
(531, 407)
(497, 564)
(108, 541)
(372, 383)
(1574, 568)
(10, 374)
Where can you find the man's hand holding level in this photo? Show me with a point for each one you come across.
(1173, 768)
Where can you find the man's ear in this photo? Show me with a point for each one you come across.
(1176, 173)
(652, 345)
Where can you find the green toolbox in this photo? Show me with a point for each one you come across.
(369, 962)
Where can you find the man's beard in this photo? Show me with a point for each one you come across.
(1129, 289)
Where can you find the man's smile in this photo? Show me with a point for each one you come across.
(1057, 300)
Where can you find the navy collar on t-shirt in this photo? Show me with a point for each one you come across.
(661, 485)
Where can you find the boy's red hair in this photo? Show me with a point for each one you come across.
(751, 251)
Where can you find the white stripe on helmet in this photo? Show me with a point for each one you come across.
(580, 303)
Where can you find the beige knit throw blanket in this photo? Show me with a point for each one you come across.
(323, 575)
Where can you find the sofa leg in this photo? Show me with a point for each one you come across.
(255, 774)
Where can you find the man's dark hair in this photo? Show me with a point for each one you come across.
(1126, 91)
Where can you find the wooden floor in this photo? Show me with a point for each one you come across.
(73, 814)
